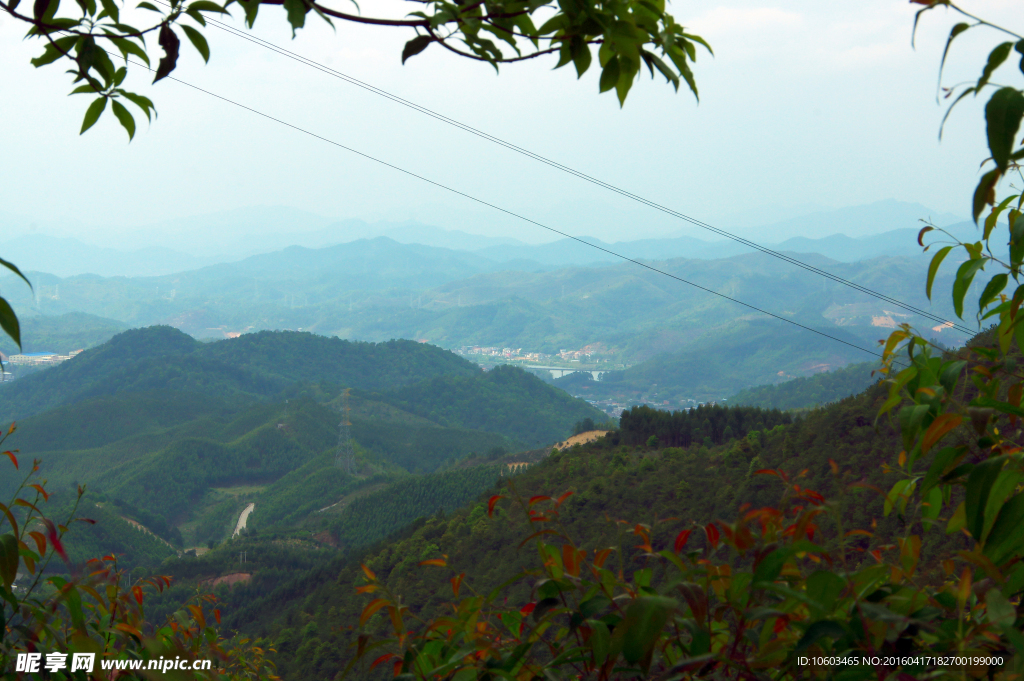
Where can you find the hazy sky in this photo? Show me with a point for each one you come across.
(805, 102)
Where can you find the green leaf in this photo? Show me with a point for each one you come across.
(824, 588)
(8, 559)
(126, 119)
(1002, 116)
(999, 610)
(894, 495)
(944, 461)
(296, 10)
(609, 75)
(993, 288)
(959, 519)
(129, 47)
(820, 630)
(143, 103)
(979, 484)
(415, 46)
(581, 59)
(995, 58)
(112, 10)
(1005, 535)
(92, 114)
(964, 276)
(1004, 486)
(51, 53)
(9, 322)
(252, 8)
(168, 40)
(639, 630)
(770, 566)
(206, 6)
(44, 9)
(950, 374)
(932, 503)
(198, 41)
(984, 193)
(14, 268)
(954, 32)
(600, 640)
(933, 268)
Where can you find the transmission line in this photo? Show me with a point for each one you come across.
(509, 212)
(587, 178)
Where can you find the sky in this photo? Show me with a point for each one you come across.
(805, 105)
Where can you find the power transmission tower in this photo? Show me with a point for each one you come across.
(343, 459)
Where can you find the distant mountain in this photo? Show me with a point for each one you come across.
(810, 391)
(886, 228)
(66, 257)
(62, 333)
(727, 359)
(854, 221)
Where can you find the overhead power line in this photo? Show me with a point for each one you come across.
(587, 178)
(510, 213)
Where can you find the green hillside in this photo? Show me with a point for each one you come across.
(726, 359)
(252, 366)
(506, 400)
(180, 436)
(811, 391)
(312, 612)
(62, 333)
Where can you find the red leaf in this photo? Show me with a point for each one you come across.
(491, 502)
(780, 624)
(457, 582)
(712, 533)
(40, 542)
(368, 572)
(216, 615)
(51, 534)
(13, 459)
(39, 488)
(558, 502)
(539, 497)
(681, 540)
(527, 609)
(137, 592)
(383, 658)
(371, 608)
(439, 562)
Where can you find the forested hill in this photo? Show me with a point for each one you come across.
(810, 391)
(309, 615)
(161, 358)
(730, 357)
(505, 400)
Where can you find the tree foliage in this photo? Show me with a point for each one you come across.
(99, 47)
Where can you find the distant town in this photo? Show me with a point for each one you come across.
(566, 362)
(37, 358)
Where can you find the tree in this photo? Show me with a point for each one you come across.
(89, 37)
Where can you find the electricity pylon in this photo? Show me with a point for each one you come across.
(344, 458)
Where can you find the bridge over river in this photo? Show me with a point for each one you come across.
(558, 372)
